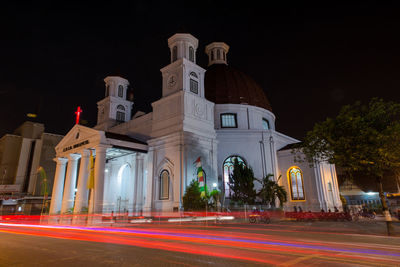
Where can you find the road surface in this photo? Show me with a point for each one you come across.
(193, 245)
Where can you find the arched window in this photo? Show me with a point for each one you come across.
(120, 91)
(120, 113)
(193, 74)
(218, 54)
(228, 170)
(265, 124)
(174, 53)
(164, 184)
(296, 183)
(191, 54)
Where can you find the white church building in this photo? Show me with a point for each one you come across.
(145, 162)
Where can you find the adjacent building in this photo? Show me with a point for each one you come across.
(21, 154)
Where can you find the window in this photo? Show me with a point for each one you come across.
(194, 86)
(228, 170)
(223, 54)
(120, 91)
(228, 120)
(212, 55)
(296, 183)
(265, 124)
(218, 54)
(174, 54)
(120, 113)
(191, 54)
(164, 184)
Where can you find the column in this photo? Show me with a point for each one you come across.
(139, 182)
(96, 199)
(70, 182)
(56, 196)
(81, 199)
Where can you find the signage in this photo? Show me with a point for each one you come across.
(9, 188)
(76, 145)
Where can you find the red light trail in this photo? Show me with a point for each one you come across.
(261, 248)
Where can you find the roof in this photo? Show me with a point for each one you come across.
(290, 146)
(123, 137)
(228, 85)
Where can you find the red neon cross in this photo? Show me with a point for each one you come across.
(78, 114)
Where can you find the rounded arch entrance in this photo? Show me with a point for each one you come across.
(125, 186)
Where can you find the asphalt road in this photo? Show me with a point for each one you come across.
(195, 244)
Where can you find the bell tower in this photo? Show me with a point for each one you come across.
(183, 73)
(116, 107)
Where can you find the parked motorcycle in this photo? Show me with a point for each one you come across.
(259, 217)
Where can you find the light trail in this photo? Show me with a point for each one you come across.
(253, 247)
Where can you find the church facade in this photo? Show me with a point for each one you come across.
(145, 162)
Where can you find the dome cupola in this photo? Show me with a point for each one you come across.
(217, 53)
(228, 85)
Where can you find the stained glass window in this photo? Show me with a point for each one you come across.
(296, 183)
(228, 170)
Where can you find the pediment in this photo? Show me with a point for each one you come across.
(78, 138)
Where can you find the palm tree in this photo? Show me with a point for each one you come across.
(271, 190)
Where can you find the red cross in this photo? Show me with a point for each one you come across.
(78, 114)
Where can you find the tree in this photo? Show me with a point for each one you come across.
(271, 190)
(363, 138)
(192, 199)
(241, 183)
(214, 198)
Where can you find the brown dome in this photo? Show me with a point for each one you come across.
(227, 85)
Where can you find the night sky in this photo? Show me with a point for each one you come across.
(309, 58)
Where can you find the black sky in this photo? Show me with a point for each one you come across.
(309, 58)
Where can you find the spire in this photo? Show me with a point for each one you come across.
(217, 53)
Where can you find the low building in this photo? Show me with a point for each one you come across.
(21, 154)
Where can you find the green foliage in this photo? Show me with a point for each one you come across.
(241, 182)
(192, 199)
(363, 138)
(343, 199)
(271, 190)
(214, 196)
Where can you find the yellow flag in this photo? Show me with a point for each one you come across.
(90, 184)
